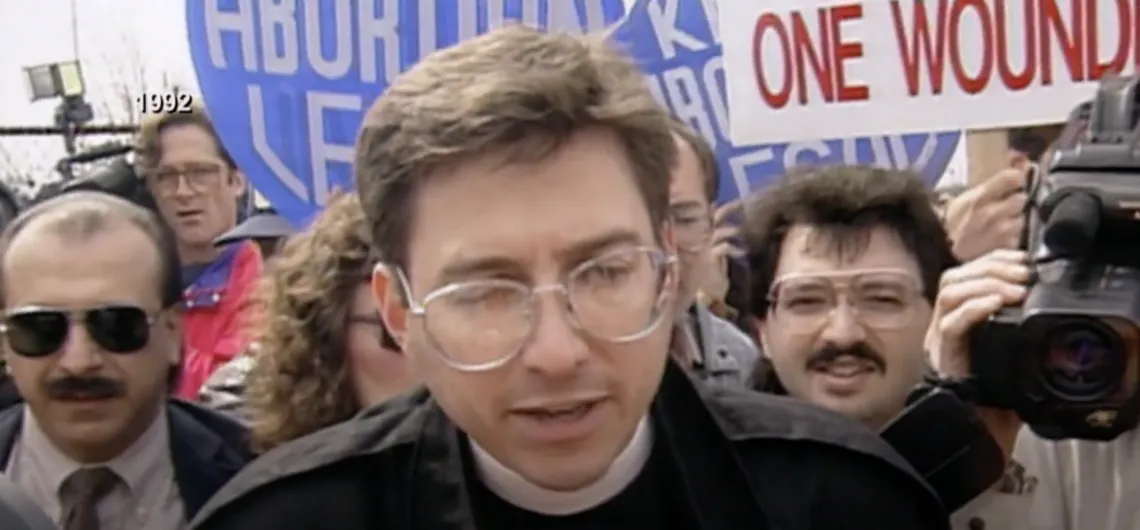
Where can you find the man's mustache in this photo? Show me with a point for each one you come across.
(862, 351)
(69, 388)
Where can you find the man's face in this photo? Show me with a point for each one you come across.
(377, 372)
(691, 213)
(845, 331)
(561, 410)
(75, 300)
(194, 188)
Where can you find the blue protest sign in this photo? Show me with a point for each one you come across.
(677, 44)
(287, 81)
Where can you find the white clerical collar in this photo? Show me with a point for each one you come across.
(515, 489)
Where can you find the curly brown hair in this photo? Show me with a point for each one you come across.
(299, 382)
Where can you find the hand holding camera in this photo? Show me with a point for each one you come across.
(967, 296)
(1067, 358)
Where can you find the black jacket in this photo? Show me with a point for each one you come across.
(748, 461)
(207, 448)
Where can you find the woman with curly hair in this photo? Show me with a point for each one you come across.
(321, 352)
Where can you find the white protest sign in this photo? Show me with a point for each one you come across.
(802, 69)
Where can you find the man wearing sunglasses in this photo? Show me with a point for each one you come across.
(708, 346)
(91, 330)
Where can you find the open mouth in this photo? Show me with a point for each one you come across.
(844, 367)
(188, 215)
(560, 422)
(566, 413)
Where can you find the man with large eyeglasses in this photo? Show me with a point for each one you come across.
(846, 263)
(481, 324)
(196, 186)
(709, 346)
(91, 330)
(516, 186)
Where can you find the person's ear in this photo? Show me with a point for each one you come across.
(388, 291)
(669, 238)
(237, 183)
(760, 333)
(669, 247)
(171, 323)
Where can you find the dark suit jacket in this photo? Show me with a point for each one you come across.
(207, 448)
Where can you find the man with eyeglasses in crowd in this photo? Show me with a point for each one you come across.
(91, 332)
(707, 345)
(197, 187)
(517, 187)
(846, 263)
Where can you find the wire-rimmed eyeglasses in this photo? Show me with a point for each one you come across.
(878, 298)
(479, 325)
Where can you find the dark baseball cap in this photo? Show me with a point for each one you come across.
(264, 223)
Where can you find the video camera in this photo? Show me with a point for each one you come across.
(1068, 360)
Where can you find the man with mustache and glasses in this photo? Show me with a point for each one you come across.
(516, 186)
(91, 330)
(845, 262)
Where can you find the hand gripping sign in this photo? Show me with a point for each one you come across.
(287, 81)
(873, 66)
(678, 45)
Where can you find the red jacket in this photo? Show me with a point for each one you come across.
(216, 315)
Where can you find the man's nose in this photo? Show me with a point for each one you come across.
(843, 327)
(80, 354)
(556, 348)
(182, 187)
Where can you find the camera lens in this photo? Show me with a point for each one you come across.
(1082, 362)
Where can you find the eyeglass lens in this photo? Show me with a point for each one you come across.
(197, 177)
(692, 227)
(615, 297)
(43, 332)
(880, 299)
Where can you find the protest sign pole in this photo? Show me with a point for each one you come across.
(988, 151)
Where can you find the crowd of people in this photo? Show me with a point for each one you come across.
(530, 313)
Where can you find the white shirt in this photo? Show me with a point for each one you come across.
(147, 498)
(1082, 485)
(513, 488)
(1003, 507)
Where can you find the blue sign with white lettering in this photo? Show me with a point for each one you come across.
(677, 43)
(287, 81)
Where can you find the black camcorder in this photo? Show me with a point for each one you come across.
(1067, 360)
(115, 175)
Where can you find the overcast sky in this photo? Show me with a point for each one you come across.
(40, 31)
(120, 42)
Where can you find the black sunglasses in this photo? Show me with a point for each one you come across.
(42, 331)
